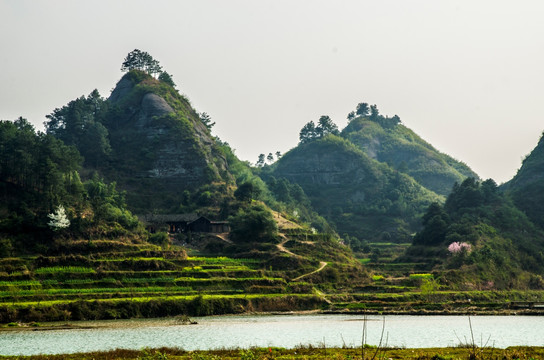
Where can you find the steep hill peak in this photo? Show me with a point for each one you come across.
(527, 187)
(362, 197)
(157, 137)
(393, 143)
(532, 168)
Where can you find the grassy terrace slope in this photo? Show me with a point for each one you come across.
(148, 282)
(141, 280)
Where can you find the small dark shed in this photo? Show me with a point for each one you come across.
(175, 223)
(203, 224)
(179, 223)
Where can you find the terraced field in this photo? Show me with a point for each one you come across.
(56, 287)
(105, 276)
(147, 281)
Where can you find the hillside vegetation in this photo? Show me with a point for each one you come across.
(368, 219)
(68, 238)
(480, 240)
(527, 187)
(364, 198)
(405, 151)
(43, 201)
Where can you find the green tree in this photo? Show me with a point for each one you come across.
(326, 126)
(108, 204)
(80, 123)
(468, 195)
(167, 79)
(435, 226)
(253, 224)
(362, 109)
(141, 60)
(206, 120)
(307, 133)
(374, 112)
(310, 131)
(260, 160)
(247, 191)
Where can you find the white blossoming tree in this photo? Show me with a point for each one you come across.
(59, 220)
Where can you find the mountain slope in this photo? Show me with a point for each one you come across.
(154, 144)
(405, 151)
(159, 138)
(479, 239)
(527, 186)
(362, 197)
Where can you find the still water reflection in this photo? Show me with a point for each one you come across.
(279, 330)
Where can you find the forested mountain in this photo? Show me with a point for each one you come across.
(71, 192)
(148, 139)
(364, 198)
(527, 187)
(42, 198)
(479, 238)
(371, 182)
(389, 141)
(373, 179)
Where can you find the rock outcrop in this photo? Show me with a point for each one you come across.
(157, 136)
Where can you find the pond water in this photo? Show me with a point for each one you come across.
(279, 330)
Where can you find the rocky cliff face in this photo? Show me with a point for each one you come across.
(159, 138)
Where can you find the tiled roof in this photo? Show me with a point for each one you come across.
(165, 218)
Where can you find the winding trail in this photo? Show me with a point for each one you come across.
(286, 224)
(281, 247)
(322, 265)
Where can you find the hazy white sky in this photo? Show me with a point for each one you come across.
(466, 75)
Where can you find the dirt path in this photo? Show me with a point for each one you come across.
(283, 223)
(322, 265)
(224, 237)
(282, 248)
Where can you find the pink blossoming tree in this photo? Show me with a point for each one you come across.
(459, 247)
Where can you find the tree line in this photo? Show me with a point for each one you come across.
(40, 181)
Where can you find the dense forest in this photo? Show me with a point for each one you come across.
(44, 198)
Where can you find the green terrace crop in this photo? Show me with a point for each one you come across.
(64, 269)
(168, 283)
(42, 290)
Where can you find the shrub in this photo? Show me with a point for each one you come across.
(6, 247)
(159, 238)
(255, 223)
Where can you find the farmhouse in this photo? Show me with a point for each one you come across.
(181, 223)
